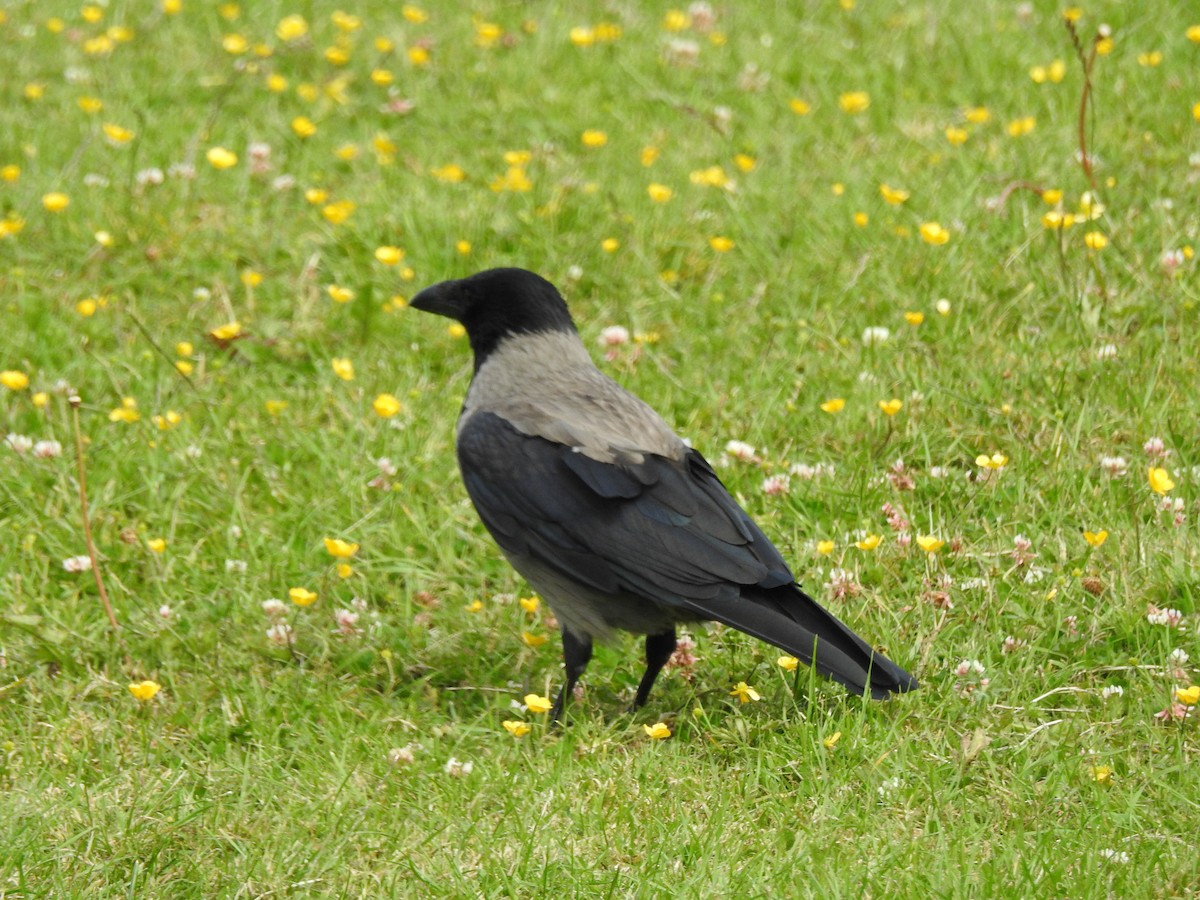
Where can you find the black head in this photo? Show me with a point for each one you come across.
(497, 303)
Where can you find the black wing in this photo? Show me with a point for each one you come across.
(661, 529)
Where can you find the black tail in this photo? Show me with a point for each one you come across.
(793, 621)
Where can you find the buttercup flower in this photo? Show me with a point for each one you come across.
(386, 406)
(537, 704)
(302, 596)
(833, 406)
(340, 549)
(854, 102)
(744, 693)
(516, 729)
(145, 690)
(658, 731)
(1160, 481)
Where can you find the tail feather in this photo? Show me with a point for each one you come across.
(793, 621)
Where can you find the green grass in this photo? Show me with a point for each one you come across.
(261, 771)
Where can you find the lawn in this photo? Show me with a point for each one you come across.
(918, 277)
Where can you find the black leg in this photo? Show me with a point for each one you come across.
(659, 648)
(577, 653)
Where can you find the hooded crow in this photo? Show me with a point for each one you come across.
(605, 511)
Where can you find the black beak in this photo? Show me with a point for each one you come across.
(444, 299)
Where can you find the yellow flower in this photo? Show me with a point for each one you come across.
(227, 332)
(659, 193)
(343, 368)
(533, 640)
(456, 330)
(339, 549)
(386, 406)
(474, 606)
(158, 545)
(529, 604)
(220, 158)
(275, 407)
(1104, 46)
(1160, 481)
(1193, 34)
(291, 28)
(127, 412)
(303, 126)
(831, 741)
(861, 219)
(610, 245)
(744, 162)
(382, 77)
(41, 399)
(516, 729)
(891, 407)
(799, 107)
(676, 20)
(276, 83)
(514, 179)
(1095, 538)
(413, 14)
(933, 233)
(116, 133)
(787, 663)
(658, 731)
(463, 247)
(450, 173)
(713, 176)
(744, 692)
(251, 278)
(235, 44)
(893, 196)
(172, 7)
(302, 596)
(957, 136)
(1021, 127)
(10, 173)
(721, 244)
(1056, 220)
(1072, 14)
(339, 294)
(145, 690)
(824, 547)
(868, 543)
(594, 138)
(13, 380)
(1188, 696)
(649, 155)
(55, 201)
(854, 102)
(1095, 240)
(929, 543)
(346, 152)
(1151, 59)
(977, 115)
(344, 570)
(389, 256)
(914, 318)
(338, 212)
(833, 406)
(537, 704)
(168, 421)
(1101, 774)
(184, 367)
(995, 461)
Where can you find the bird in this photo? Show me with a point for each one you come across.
(605, 511)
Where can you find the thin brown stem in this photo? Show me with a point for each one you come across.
(75, 402)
